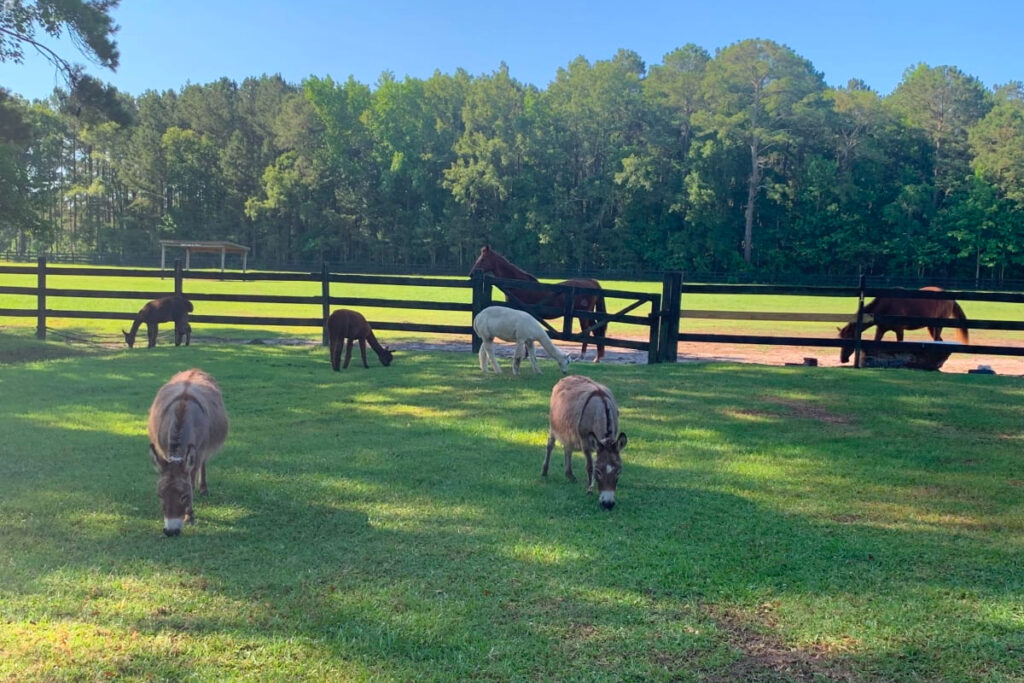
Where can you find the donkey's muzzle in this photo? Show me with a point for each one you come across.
(607, 504)
(172, 532)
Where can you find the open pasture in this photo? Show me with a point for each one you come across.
(391, 524)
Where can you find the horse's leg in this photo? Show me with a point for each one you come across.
(151, 332)
(936, 333)
(348, 352)
(584, 326)
(362, 351)
(568, 464)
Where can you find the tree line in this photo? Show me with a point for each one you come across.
(741, 161)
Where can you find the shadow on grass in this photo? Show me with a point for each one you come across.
(397, 518)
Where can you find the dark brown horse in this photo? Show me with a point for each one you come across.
(909, 308)
(497, 265)
(165, 309)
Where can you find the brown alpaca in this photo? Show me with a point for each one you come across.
(351, 325)
(174, 307)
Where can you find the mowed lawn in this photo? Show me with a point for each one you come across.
(392, 524)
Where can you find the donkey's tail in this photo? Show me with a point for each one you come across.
(961, 332)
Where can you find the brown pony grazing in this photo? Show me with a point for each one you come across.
(187, 425)
(174, 307)
(497, 265)
(910, 308)
(351, 325)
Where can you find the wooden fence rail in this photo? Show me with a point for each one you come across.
(662, 315)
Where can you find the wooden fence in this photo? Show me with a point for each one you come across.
(664, 321)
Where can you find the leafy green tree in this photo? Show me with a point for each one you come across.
(997, 147)
(759, 95)
(488, 177)
(584, 125)
(944, 103)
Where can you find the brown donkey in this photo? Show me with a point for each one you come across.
(584, 416)
(174, 307)
(908, 308)
(187, 425)
(351, 325)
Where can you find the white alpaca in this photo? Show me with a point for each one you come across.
(518, 327)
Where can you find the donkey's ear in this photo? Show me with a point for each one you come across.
(158, 463)
(484, 249)
(621, 443)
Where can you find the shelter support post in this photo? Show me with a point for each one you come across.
(178, 277)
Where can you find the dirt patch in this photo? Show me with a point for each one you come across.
(809, 411)
(765, 657)
(688, 352)
(958, 363)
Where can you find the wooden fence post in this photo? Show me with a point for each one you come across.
(859, 327)
(325, 301)
(481, 300)
(178, 277)
(671, 300)
(653, 350)
(41, 298)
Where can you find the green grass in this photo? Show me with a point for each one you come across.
(391, 524)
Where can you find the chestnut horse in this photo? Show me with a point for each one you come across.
(910, 308)
(497, 265)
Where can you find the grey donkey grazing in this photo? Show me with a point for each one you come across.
(187, 425)
(584, 416)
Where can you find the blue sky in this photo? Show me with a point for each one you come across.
(168, 43)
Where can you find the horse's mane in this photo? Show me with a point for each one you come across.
(501, 266)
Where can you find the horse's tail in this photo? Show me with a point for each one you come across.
(961, 332)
